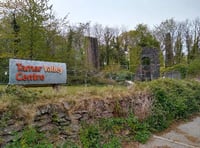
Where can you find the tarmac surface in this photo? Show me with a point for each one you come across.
(182, 135)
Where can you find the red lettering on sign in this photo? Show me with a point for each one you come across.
(28, 68)
(29, 77)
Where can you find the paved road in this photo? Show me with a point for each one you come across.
(183, 135)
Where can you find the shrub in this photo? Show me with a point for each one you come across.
(182, 68)
(120, 75)
(194, 67)
(138, 131)
(173, 99)
(90, 137)
(114, 142)
(30, 138)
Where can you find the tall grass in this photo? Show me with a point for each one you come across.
(36, 95)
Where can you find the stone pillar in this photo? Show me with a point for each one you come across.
(92, 53)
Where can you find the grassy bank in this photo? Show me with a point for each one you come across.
(18, 95)
(172, 100)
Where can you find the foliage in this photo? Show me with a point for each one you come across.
(69, 144)
(169, 58)
(30, 16)
(120, 75)
(107, 132)
(137, 130)
(4, 119)
(21, 94)
(30, 138)
(3, 71)
(90, 137)
(173, 99)
(114, 142)
(135, 58)
(182, 68)
(187, 70)
(42, 36)
(194, 68)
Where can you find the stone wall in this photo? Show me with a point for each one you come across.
(172, 75)
(63, 118)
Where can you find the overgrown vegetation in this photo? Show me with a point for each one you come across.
(22, 94)
(190, 70)
(109, 133)
(33, 32)
(30, 138)
(172, 100)
(119, 57)
(27, 95)
(194, 68)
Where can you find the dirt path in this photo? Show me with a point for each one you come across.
(183, 135)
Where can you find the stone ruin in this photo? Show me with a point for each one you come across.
(172, 75)
(92, 52)
(149, 69)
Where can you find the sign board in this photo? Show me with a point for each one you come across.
(27, 72)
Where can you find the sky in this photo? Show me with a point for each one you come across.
(126, 13)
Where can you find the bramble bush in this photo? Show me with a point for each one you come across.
(173, 99)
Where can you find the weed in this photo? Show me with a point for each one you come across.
(139, 131)
(114, 142)
(30, 138)
(90, 137)
(69, 144)
(4, 118)
(22, 94)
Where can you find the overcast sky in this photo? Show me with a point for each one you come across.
(127, 13)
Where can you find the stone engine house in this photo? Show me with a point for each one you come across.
(149, 69)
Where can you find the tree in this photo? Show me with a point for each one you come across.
(178, 47)
(138, 39)
(6, 38)
(108, 35)
(166, 34)
(169, 58)
(195, 51)
(187, 36)
(32, 16)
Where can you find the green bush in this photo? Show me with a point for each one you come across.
(138, 131)
(90, 137)
(106, 133)
(194, 68)
(120, 75)
(182, 68)
(173, 99)
(114, 142)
